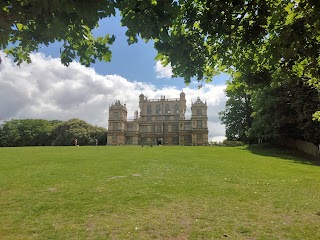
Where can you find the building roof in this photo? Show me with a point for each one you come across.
(199, 102)
(117, 104)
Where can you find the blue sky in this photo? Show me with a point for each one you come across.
(46, 89)
(134, 62)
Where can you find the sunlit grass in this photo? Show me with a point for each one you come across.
(130, 192)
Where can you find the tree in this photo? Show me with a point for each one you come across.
(262, 110)
(29, 23)
(213, 35)
(39, 132)
(9, 134)
(65, 133)
(285, 111)
(26, 132)
(237, 116)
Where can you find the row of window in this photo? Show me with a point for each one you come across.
(160, 128)
(175, 127)
(167, 109)
(158, 111)
(162, 118)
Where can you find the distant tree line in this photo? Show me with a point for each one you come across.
(39, 132)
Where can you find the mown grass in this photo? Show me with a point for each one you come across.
(130, 192)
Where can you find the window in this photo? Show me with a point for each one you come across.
(175, 128)
(143, 140)
(199, 112)
(176, 108)
(167, 109)
(188, 139)
(187, 126)
(159, 128)
(199, 124)
(199, 137)
(158, 109)
(130, 127)
(175, 140)
(129, 140)
(115, 114)
(143, 128)
(149, 111)
(115, 126)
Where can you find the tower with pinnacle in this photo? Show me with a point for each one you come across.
(117, 123)
(199, 121)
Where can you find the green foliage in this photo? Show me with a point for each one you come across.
(237, 116)
(9, 134)
(316, 116)
(286, 111)
(66, 132)
(38, 132)
(199, 38)
(29, 23)
(232, 143)
(269, 112)
(26, 132)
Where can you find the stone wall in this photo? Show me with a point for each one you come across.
(303, 146)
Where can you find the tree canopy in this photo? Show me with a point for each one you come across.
(255, 112)
(272, 46)
(235, 36)
(237, 115)
(39, 132)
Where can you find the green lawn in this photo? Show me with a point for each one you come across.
(130, 192)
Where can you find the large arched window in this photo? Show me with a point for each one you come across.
(176, 108)
(167, 109)
(158, 109)
(149, 110)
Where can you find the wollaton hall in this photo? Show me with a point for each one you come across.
(160, 121)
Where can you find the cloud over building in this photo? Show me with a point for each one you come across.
(46, 89)
(163, 72)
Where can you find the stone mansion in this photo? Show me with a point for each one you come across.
(161, 121)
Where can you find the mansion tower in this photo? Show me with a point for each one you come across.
(160, 121)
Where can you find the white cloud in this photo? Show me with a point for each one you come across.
(46, 89)
(163, 72)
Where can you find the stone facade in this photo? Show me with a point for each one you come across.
(161, 121)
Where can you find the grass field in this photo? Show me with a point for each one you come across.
(130, 192)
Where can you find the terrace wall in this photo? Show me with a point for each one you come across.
(303, 146)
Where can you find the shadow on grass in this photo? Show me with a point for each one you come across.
(283, 153)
